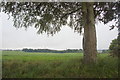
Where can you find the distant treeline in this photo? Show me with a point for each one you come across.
(53, 51)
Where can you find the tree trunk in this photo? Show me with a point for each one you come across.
(89, 40)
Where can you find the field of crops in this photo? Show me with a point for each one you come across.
(18, 64)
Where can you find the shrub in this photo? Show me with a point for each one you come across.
(114, 47)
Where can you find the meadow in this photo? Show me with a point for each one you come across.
(18, 64)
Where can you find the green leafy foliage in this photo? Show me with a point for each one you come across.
(114, 47)
(49, 17)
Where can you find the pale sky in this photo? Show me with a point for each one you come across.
(13, 38)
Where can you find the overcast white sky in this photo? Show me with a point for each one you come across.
(13, 38)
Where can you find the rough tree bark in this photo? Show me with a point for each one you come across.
(89, 43)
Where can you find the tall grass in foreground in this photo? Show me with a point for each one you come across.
(68, 65)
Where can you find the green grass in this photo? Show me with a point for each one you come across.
(25, 56)
(18, 64)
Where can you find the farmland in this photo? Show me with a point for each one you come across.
(18, 64)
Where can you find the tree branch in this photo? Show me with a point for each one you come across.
(70, 12)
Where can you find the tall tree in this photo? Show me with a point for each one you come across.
(49, 17)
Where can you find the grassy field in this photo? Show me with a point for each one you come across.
(18, 64)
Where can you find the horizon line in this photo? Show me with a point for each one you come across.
(42, 48)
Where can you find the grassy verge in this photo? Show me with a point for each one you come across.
(54, 65)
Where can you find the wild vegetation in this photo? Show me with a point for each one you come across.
(18, 64)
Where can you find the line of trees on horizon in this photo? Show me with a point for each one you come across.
(53, 51)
